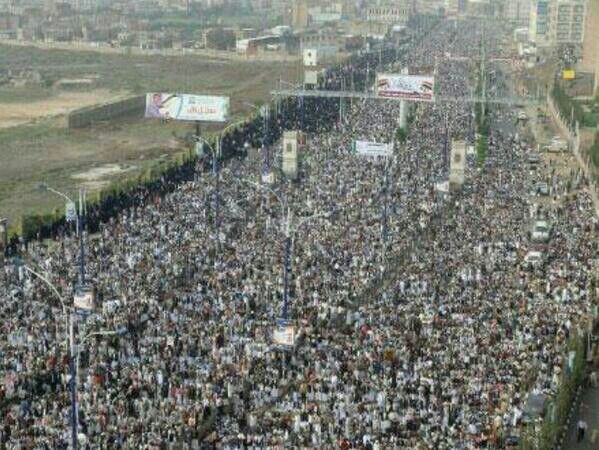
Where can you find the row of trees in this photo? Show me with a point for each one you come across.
(571, 109)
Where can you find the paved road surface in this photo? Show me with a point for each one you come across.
(589, 411)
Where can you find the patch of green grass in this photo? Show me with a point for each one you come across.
(594, 151)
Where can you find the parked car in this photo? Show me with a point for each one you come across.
(539, 188)
(534, 259)
(556, 145)
(541, 231)
(533, 159)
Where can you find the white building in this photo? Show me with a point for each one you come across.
(396, 13)
(567, 21)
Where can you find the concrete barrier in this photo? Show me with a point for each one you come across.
(84, 117)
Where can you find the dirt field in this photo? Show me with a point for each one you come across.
(13, 113)
(43, 150)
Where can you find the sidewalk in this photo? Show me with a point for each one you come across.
(588, 410)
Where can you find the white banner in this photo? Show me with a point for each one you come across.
(284, 334)
(84, 299)
(415, 87)
(70, 212)
(204, 108)
(372, 149)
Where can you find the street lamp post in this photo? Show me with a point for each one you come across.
(216, 154)
(289, 243)
(73, 352)
(288, 232)
(44, 187)
(79, 347)
(71, 346)
(265, 113)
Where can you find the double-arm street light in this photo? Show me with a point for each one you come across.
(73, 351)
(79, 218)
(264, 111)
(288, 230)
(216, 154)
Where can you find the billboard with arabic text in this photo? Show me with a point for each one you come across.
(413, 87)
(203, 108)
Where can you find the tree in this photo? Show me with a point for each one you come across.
(220, 39)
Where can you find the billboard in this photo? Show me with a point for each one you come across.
(204, 108)
(311, 77)
(70, 211)
(415, 87)
(372, 149)
(84, 299)
(457, 164)
(284, 334)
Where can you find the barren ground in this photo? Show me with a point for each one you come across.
(36, 147)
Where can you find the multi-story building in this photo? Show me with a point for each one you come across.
(299, 14)
(517, 11)
(429, 6)
(538, 27)
(557, 22)
(590, 46)
(393, 13)
(567, 21)
(452, 7)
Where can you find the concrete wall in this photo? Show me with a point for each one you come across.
(86, 116)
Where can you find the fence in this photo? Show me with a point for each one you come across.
(573, 136)
(549, 432)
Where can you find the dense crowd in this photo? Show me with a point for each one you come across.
(420, 324)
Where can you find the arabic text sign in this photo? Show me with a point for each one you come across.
(284, 335)
(204, 108)
(372, 149)
(415, 87)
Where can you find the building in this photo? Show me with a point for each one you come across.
(299, 14)
(429, 6)
(538, 26)
(590, 47)
(478, 8)
(567, 21)
(452, 7)
(517, 12)
(392, 13)
(557, 22)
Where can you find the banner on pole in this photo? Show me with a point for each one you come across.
(284, 334)
(204, 108)
(84, 299)
(71, 211)
(414, 87)
(372, 149)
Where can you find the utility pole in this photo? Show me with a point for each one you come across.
(483, 71)
(287, 263)
(73, 385)
(81, 227)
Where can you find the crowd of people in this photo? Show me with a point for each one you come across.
(420, 323)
